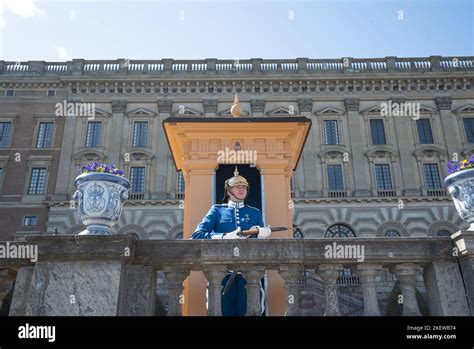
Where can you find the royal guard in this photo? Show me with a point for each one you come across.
(228, 221)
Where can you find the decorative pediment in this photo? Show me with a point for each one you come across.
(138, 154)
(184, 110)
(102, 113)
(373, 110)
(89, 155)
(226, 112)
(141, 112)
(429, 150)
(281, 110)
(465, 109)
(332, 152)
(329, 111)
(426, 110)
(381, 152)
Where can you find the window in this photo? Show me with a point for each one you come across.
(377, 131)
(335, 177)
(443, 233)
(137, 179)
(339, 230)
(29, 221)
(347, 272)
(9, 93)
(424, 131)
(51, 93)
(331, 135)
(37, 181)
(93, 134)
(392, 234)
(297, 233)
(5, 133)
(140, 134)
(382, 177)
(432, 179)
(469, 129)
(45, 135)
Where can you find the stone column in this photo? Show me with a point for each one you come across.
(291, 274)
(357, 137)
(330, 273)
(175, 277)
(116, 137)
(65, 159)
(406, 273)
(367, 274)
(163, 163)
(253, 275)
(310, 181)
(450, 133)
(214, 275)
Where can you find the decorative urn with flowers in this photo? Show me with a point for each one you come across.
(101, 192)
(460, 184)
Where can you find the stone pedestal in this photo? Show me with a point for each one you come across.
(464, 241)
(444, 298)
(84, 289)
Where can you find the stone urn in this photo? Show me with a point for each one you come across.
(461, 187)
(100, 198)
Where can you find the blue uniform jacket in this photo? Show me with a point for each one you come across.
(227, 217)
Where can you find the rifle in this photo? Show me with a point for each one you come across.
(249, 232)
(255, 231)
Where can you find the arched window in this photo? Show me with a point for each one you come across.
(297, 233)
(339, 231)
(392, 234)
(134, 235)
(443, 233)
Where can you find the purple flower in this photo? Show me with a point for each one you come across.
(103, 168)
(452, 167)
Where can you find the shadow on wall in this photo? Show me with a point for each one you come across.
(394, 308)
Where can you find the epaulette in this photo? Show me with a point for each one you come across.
(253, 207)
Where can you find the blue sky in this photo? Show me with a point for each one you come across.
(58, 30)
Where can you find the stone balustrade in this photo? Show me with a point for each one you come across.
(165, 67)
(116, 275)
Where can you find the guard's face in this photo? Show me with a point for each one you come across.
(239, 192)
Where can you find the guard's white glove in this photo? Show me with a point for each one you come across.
(264, 232)
(234, 235)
